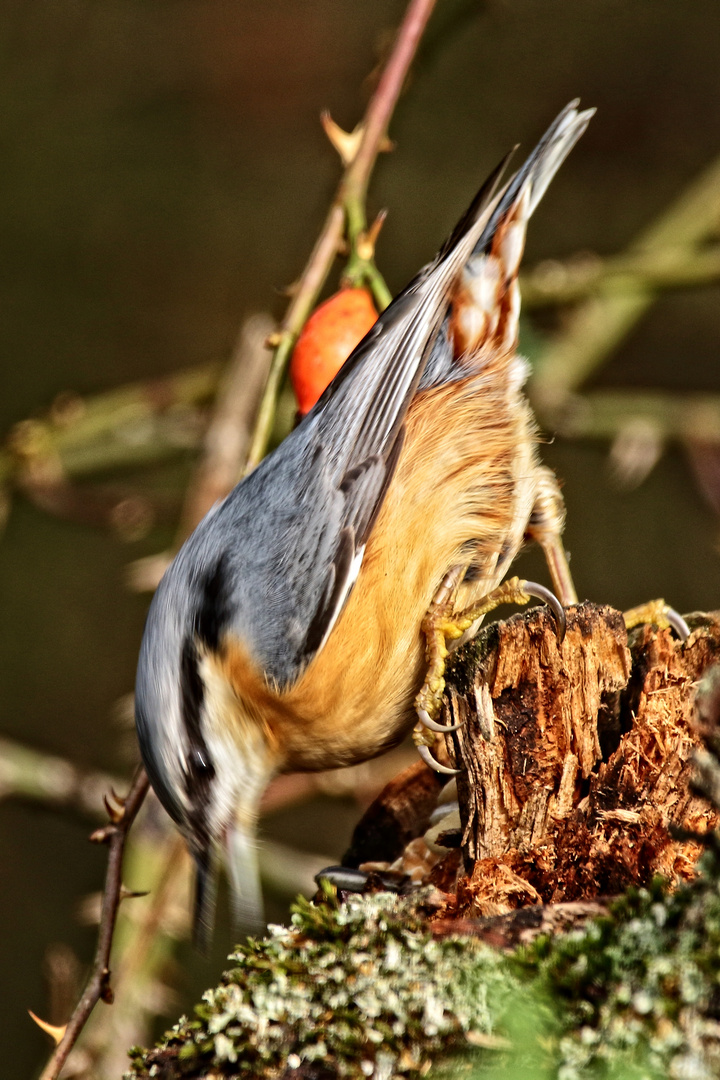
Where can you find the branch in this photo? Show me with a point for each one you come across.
(98, 985)
(604, 413)
(30, 774)
(553, 282)
(349, 199)
(215, 475)
(136, 424)
(228, 435)
(596, 328)
(225, 443)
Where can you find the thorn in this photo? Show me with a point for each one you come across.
(106, 991)
(289, 291)
(103, 835)
(346, 143)
(273, 340)
(115, 813)
(132, 894)
(55, 1031)
(368, 240)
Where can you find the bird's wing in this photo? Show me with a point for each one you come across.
(300, 522)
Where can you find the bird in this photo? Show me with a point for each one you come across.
(304, 624)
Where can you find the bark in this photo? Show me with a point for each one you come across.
(575, 758)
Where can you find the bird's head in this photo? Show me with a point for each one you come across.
(208, 761)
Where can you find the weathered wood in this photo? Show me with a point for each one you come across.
(575, 758)
(399, 814)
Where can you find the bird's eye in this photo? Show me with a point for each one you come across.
(201, 763)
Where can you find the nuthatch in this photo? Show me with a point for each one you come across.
(289, 633)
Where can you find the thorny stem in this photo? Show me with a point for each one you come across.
(351, 191)
(98, 985)
(214, 476)
(349, 203)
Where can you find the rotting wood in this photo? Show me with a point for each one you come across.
(575, 758)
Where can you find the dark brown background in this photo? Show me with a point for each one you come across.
(164, 172)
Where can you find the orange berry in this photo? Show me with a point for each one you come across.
(327, 339)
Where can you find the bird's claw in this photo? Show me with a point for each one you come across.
(424, 752)
(441, 625)
(426, 720)
(532, 588)
(424, 736)
(659, 614)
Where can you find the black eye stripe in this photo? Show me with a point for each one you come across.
(200, 768)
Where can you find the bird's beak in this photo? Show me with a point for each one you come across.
(244, 874)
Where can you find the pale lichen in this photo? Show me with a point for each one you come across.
(362, 989)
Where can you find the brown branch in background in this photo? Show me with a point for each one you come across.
(151, 422)
(225, 443)
(137, 424)
(596, 328)
(350, 194)
(678, 417)
(227, 438)
(554, 283)
(98, 985)
(97, 436)
(26, 773)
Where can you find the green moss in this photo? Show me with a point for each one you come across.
(641, 987)
(363, 989)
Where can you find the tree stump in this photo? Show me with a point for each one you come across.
(575, 759)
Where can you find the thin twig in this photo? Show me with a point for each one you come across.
(98, 985)
(136, 424)
(214, 476)
(143, 423)
(351, 192)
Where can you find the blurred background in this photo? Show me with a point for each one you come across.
(165, 175)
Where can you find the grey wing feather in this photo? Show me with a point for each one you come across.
(296, 528)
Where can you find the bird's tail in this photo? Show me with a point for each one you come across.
(482, 320)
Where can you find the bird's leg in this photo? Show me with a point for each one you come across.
(546, 528)
(441, 625)
(659, 614)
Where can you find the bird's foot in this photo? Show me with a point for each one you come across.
(441, 626)
(659, 614)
